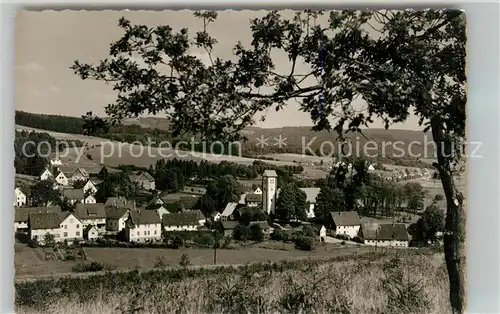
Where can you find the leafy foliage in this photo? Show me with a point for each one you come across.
(291, 203)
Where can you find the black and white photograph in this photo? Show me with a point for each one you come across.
(240, 161)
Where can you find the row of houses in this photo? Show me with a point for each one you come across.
(90, 221)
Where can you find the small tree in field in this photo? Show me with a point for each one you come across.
(256, 233)
(398, 62)
(185, 261)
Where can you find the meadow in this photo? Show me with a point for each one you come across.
(405, 281)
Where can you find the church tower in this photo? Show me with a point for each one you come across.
(269, 189)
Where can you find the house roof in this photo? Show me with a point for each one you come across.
(145, 217)
(189, 218)
(269, 173)
(142, 176)
(228, 225)
(82, 171)
(350, 218)
(386, 232)
(44, 220)
(228, 211)
(22, 213)
(311, 194)
(253, 198)
(155, 199)
(199, 213)
(90, 211)
(262, 224)
(115, 212)
(194, 189)
(73, 194)
(119, 202)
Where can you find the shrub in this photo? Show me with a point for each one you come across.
(32, 243)
(88, 267)
(256, 233)
(281, 235)
(241, 233)
(308, 231)
(185, 260)
(205, 240)
(160, 262)
(304, 243)
(177, 243)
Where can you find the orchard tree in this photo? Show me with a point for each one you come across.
(431, 222)
(291, 203)
(398, 62)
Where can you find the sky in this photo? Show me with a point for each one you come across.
(48, 42)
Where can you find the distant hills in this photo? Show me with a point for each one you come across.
(403, 147)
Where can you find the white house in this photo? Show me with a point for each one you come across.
(55, 162)
(90, 187)
(91, 233)
(90, 199)
(311, 195)
(253, 200)
(346, 223)
(46, 175)
(216, 216)
(257, 191)
(63, 226)
(92, 214)
(80, 174)
(21, 215)
(143, 226)
(228, 211)
(322, 233)
(73, 195)
(19, 197)
(116, 218)
(185, 221)
(144, 180)
(62, 179)
(385, 235)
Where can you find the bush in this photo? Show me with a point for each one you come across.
(308, 231)
(281, 235)
(304, 243)
(256, 233)
(160, 262)
(205, 240)
(89, 267)
(32, 243)
(241, 233)
(177, 243)
(185, 260)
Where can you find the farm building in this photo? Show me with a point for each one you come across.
(144, 180)
(143, 226)
(63, 226)
(385, 235)
(21, 215)
(92, 214)
(19, 197)
(184, 221)
(346, 223)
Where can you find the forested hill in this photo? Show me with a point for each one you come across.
(297, 138)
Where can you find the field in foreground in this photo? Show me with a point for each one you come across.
(390, 282)
(30, 263)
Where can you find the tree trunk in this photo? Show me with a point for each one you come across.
(455, 222)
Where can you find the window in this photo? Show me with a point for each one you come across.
(65, 234)
(77, 226)
(65, 226)
(145, 233)
(155, 232)
(138, 234)
(78, 233)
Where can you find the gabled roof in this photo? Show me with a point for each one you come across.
(141, 176)
(44, 220)
(181, 219)
(115, 212)
(145, 217)
(311, 194)
(228, 211)
(386, 232)
(199, 213)
(73, 194)
(22, 213)
(82, 171)
(350, 218)
(90, 211)
(253, 198)
(119, 202)
(262, 224)
(269, 173)
(228, 225)
(64, 215)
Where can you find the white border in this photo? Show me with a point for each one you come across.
(483, 125)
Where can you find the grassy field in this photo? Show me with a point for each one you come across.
(31, 262)
(392, 282)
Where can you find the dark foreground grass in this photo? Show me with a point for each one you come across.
(390, 282)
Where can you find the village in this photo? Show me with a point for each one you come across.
(150, 221)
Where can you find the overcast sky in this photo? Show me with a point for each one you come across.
(47, 43)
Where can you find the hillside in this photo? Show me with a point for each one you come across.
(402, 147)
